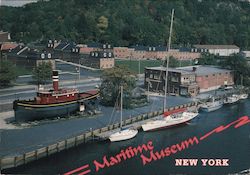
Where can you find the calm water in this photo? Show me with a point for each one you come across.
(233, 144)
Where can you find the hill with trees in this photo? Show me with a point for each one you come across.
(129, 22)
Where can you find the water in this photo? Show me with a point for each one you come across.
(232, 144)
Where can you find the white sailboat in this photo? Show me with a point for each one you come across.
(211, 106)
(173, 119)
(123, 134)
(231, 99)
(169, 121)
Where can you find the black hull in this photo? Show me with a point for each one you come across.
(31, 113)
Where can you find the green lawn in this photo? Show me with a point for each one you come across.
(133, 65)
(22, 71)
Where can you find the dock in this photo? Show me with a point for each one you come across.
(15, 160)
(100, 133)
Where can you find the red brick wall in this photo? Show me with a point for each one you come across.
(214, 81)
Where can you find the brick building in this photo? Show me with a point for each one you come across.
(209, 77)
(180, 82)
(187, 80)
(28, 58)
(99, 60)
(220, 50)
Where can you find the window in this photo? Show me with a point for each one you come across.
(110, 54)
(151, 76)
(104, 54)
(156, 76)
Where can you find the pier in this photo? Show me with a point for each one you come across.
(100, 133)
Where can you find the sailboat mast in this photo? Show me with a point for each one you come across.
(169, 46)
(121, 105)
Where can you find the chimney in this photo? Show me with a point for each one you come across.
(194, 69)
(55, 80)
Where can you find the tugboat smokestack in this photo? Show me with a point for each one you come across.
(55, 80)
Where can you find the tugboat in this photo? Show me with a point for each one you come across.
(52, 103)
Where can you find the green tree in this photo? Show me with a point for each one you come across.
(102, 24)
(240, 67)
(42, 72)
(209, 59)
(112, 79)
(7, 73)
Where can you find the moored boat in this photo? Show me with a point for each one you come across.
(52, 103)
(169, 121)
(123, 134)
(211, 106)
(231, 99)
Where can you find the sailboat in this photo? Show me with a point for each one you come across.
(172, 119)
(123, 134)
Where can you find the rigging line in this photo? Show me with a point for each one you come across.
(112, 118)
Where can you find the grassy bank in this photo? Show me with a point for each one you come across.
(133, 65)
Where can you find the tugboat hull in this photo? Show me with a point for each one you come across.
(27, 112)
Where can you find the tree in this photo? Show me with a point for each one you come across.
(102, 24)
(209, 59)
(42, 72)
(240, 67)
(7, 73)
(112, 79)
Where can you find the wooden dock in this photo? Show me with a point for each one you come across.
(100, 133)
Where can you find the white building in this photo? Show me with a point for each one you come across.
(245, 54)
(221, 50)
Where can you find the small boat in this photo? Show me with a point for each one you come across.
(243, 96)
(231, 99)
(211, 106)
(169, 121)
(123, 134)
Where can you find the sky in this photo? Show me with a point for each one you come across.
(15, 3)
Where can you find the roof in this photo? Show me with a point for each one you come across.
(149, 48)
(7, 46)
(199, 70)
(170, 70)
(204, 70)
(216, 46)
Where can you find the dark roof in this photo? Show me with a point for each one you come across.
(101, 54)
(216, 46)
(61, 46)
(149, 48)
(184, 49)
(94, 45)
